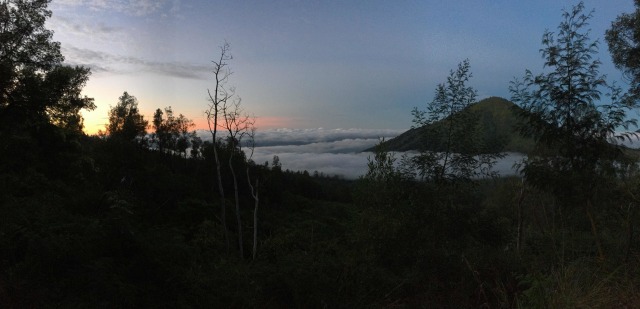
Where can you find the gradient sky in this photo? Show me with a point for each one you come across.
(308, 64)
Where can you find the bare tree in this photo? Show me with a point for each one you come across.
(238, 126)
(254, 189)
(217, 103)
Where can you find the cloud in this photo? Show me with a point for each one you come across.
(348, 165)
(105, 62)
(65, 24)
(341, 146)
(128, 7)
(332, 151)
(352, 165)
(275, 137)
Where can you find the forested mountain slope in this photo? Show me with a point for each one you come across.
(497, 118)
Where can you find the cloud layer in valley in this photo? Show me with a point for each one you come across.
(331, 152)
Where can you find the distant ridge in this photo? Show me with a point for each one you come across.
(497, 120)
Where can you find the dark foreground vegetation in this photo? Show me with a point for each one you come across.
(128, 219)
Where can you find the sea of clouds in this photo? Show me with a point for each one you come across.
(333, 151)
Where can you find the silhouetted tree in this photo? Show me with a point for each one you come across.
(572, 124)
(125, 120)
(172, 133)
(217, 101)
(35, 87)
(449, 122)
(196, 144)
(182, 134)
(238, 126)
(40, 98)
(161, 136)
(26, 46)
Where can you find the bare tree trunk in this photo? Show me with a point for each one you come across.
(255, 224)
(237, 200)
(520, 217)
(254, 194)
(218, 100)
(254, 189)
(594, 230)
(223, 206)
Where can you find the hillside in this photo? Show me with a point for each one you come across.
(497, 120)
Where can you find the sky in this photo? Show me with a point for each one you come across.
(306, 65)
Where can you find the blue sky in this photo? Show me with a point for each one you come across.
(308, 64)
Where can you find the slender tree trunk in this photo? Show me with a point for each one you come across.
(629, 239)
(223, 207)
(237, 199)
(254, 194)
(594, 230)
(520, 217)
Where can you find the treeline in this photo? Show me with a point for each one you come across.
(130, 218)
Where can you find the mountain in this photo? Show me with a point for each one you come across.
(497, 118)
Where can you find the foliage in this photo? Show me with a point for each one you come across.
(35, 87)
(172, 133)
(459, 152)
(125, 121)
(623, 39)
(562, 108)
(574, 131)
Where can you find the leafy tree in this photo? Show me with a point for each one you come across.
(623, 39)
(40, 98)
(161, 136)
(25, 44)
(182, 134)
(63, 86)
(461, 154)
(35, 88)
(568, 117)
(125, 120)
(196, 144)
(172, 133)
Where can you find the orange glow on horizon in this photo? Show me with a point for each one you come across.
(93, 125)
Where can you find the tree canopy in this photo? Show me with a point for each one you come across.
(623, 39)
(571, 111)
(125, 120)
(35, 86)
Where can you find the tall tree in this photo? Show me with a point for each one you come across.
(217, 102)
(125, 120)
(40, 98)
(568, 117)
(448, 121)
(161, 136)
(35, 87)
(171, 133)
(182, 134)
(25, 44)
(254, 187)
